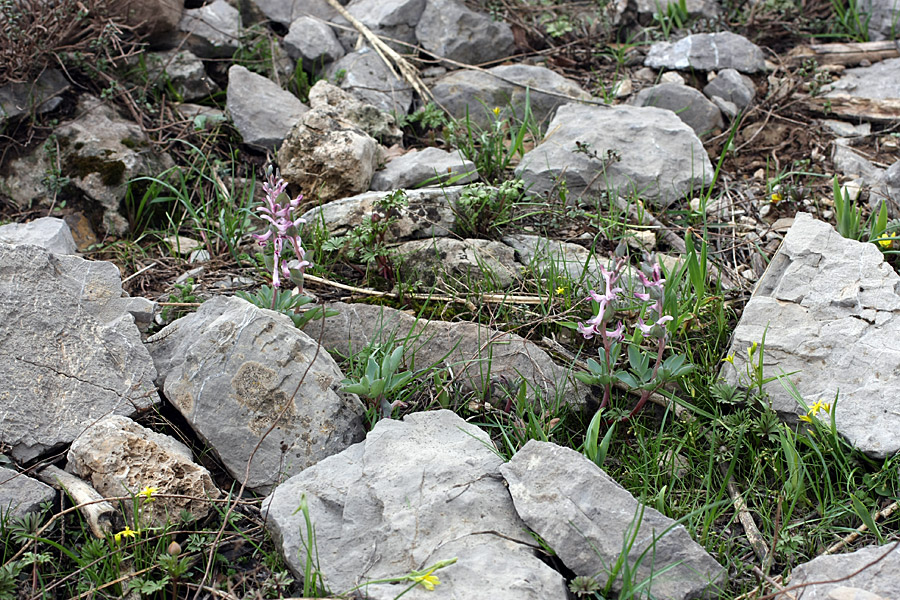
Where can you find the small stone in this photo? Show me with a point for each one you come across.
(214, 29)
(20, 494)
(671, 77)
(314, 42)
(765, 209)
(181, 244)
(623, 88)
(262, 112)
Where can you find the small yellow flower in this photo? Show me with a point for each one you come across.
(729, 359)
(806, 418)
(560, 290)
(751, 350)
(496, 111)
(886, 244)
(819, 405)
(147, 493)
(428, 581)
(127, 532)
(776, 198)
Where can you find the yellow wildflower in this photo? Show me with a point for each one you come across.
(428, 581)
(496, 111)
(729, 358)
(776, 198)
(886, 243)
(147, 493)
(560, 290)
(814, 410)
(127, 532)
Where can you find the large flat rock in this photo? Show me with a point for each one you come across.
(829, 309)
(870, 573)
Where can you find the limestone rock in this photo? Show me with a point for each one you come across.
(152, 18)
(46, 232)
(584, 515)
(659, 157)
(430, 166)
(233, 371)
(69, 350)
(880, 81)
(504, 87)
(482, 359)
(286, 12)
(377, 123)
(213, 30)
(366, 75)
(414, 492)
(428, 214)
(328, 156)
(444, 260)
(448, 29)
(20, 494)
(118, 457)
(733, 87)
(829, 308)
(313, 41)
(395, 19)
(688, 104)
(183, 71)
(879, 581)
(881, 17)
(707, 52)
(262, 112)
(38, 96)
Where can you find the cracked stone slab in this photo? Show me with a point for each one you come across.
(69, 349)
(584, 515)
(879, 581)
(829, 308)
(416, 491)
(250, 383)
(708, 52)
(47, 232)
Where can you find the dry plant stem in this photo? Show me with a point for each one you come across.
(212, 551)
(775, 584)
(409, 73)
(750, 530)
(100, 514)
(849, 539)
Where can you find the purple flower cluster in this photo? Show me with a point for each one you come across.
(281, 227)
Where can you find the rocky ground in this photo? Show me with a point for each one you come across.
(467, 174)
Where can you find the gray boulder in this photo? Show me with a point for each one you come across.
(394, 19)
(182, 70)
(448, 261)
(328, 156)
(313, 41)
(233, 371)
(69, 349)
(448, 29)
(46, 232)
(20, 494)
(368, 78)
(860, 576)
(688, 104)
(883, 18)
(118, 457)
(213, 30)
(731, 86)
(477, 93)
(659, 157)
(152, 19)
(413, 493)
(38, 96)
(586, 517)
(286, 12)
(707, 52)
(431, 166)
(262, 112)
(482, 359)
(829, 309)
(878, 82)
(428, 214)
(377, 123)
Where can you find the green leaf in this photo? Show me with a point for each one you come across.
(628, 379)
(356, 388)
(393, 362)
(399, 381)
(377, 388)
(372, 369)
(865, 516)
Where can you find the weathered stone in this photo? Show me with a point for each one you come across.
(151, 18)
(688, 104)
(118, 457)
(395, 19)
(659, 157)
(477, 93)
(286, 12)
(38, 96)
(707, 52)
(20, 494)
(442, 261)
(482, 359)
(849, 162)
(233, 371)
(882, 18)
(313, 41)
(213, 30)
(733, 87)
(556, 490)
(880, 81)
(183, 71)
(328, 156)
(262, 112)
(69, 351)
(429, 213)
(414, 492)
(100, 152)
(46, 232)
(430, 166)
(829, 310)
(867, 570)
(366, 75)
(447, 29)
(377, 123)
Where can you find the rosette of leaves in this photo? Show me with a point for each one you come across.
(287, 303)
(380, 381)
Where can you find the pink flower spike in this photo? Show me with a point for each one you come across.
(663, 320)
(645, 329)
(640, 296)
(587, 332)
(618, 333)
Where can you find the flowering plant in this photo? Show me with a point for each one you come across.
(646, 371)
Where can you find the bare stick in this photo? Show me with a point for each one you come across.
(100, 514)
